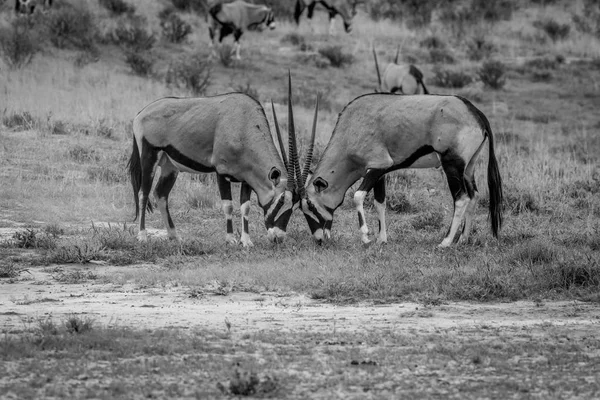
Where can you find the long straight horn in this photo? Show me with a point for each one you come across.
(397, 54)
(377, 67)
(309, 153)
(294, 163)
(279, 139)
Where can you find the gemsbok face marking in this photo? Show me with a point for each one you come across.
(379, 133)
(227, 134)
(29, 6)
(234, 18)
(344, 8)
(400, 79)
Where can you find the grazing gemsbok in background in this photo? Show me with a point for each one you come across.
(236, 17)
(227, 134)
(344, 8)
(29, 6)
(379, 133)
(402, 79)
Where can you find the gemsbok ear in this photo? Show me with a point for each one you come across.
(275, 176)
(320, 184)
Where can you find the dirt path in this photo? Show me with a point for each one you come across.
(37, 295)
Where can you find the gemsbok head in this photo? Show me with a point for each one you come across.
(227, 134)
(379, 133)
(400, 79)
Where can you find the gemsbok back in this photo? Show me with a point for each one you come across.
(400, 79)
(227, 134)
(379, 133)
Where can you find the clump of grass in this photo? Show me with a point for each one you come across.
(133, 35)
(82, 154)
(247, 88)
(9, 269)
(78, 253)
(398, 202)
(480, 47)
(173, 27)
(117, 7)
(192, 72)
(141, 63)
(533, 252)
(441, 56)
(294, 39)
(77, 325)
(433, 42)
(555, 30)
(17, 45)
(225, 54)
(106, 173)
(451, 78)
(337, 58)
(429, 220)
(248, 383)
(73, 277)
(492, 74)
(33, 238)
(19, 121)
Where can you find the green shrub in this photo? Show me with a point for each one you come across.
(173, 27)
(17, 45)
(117, 7)
(72, 26)
(133, 35)
(192, 72)
(449, 78)
(442, 56)
(33, 238)
(492, 74)
(479, 47)
(336, 56)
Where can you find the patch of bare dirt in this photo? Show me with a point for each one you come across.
(36, 294)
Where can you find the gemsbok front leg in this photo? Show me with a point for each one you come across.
(168, 176)
(227, 207)
(373, 179)
(245, 193)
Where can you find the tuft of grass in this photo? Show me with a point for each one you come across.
(492, 74)
(248, 383)
(173, 27)
(77, 325)
(451, 78)
(117, 7)
(337, 58)
(555, 30)
(19, 121)
(429, 220)
(9, 269)
(441, 56)
(34, 238)
(75, 276)
(141, 63)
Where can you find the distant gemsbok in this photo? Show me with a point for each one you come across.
(29, 6)
(228, 134)
(379, 133)
(400, 79)
(344, 8)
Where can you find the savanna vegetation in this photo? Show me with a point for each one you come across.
(73, 78)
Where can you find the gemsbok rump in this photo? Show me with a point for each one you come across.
(228, 134)
(344, 8)
(379, 133)
(400, 79)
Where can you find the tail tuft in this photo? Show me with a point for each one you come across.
(135, 173)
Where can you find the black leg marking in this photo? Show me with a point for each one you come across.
(361, 221)
(148, 160)
(224, 188)
(230, 226)
(454, 167)
(162, 190)
(379, 190)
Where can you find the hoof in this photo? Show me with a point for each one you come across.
(248, 243)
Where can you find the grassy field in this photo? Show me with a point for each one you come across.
(65, 198)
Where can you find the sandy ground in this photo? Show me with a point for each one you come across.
(35, 294)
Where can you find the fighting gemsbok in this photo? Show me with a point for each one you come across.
(379, 133)
(29, 6)
(228, 134)
(236, 17)
(344, 8)
(401, 79)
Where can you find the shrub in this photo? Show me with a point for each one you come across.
(192, 72)
(199, 6)
(82, 154)
(32, 238)
(555, 30)
(542, 63)
(132, 34)
(336, 56)
(294, 38)
(225, 54)
(448, 78)
(432, 42)
(385, 9)
(117, 7)
(458, 19)
(140, 63)
(71, 25)
(173, 27)
(479, 48)
(492, 10)
(492, 74)
(19, 121)
(441, 56)
(17, 45)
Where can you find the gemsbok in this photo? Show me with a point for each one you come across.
(236, 17)
(401, 79)
(379, 133)
(344, 8)
(228, 134)
(29, 6)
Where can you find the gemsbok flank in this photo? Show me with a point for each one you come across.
(344, 8)
(379, 133)
(401, 79)
(236, 17)
(228, 134)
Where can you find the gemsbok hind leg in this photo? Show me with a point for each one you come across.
(369, 181)
(245, 193)
(379, 194)
(454, 167)
(469, 179)
(148, 160)
(227, 207)
(168, 176)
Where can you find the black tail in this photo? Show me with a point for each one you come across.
(135, 173)
(418, 75)
(298, 10)
(494, 183)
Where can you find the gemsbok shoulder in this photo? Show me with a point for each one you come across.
(399, 79)
(227, 134)
(379, 133)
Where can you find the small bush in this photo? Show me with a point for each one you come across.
(451, 78)
(492, 74)
(336, 56)
(32, 238)
(192, 72)
(441, 56)
(132, 35)
(140, 63)
(493, 10)
(294, 38)
(82, 154)
(479, 48)
(9, 270)
(19, 121)
(74, 324)
(18, 46)
(385, 9)
(543, 63)
(432, 42)
(117, 7)
(199, 6)
(225, 54)
(398, 202)
(173, 27)
(555, 30)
